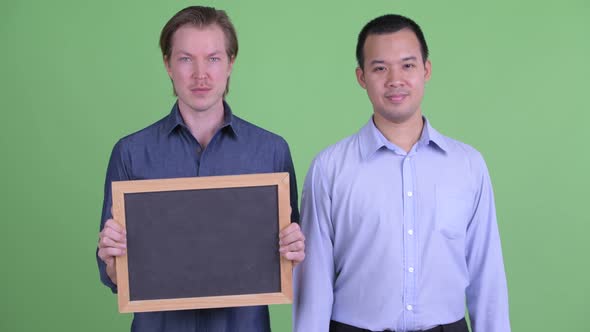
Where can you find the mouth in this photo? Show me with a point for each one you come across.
(200, 89)
(396, 98)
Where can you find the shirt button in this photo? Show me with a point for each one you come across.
(410, 194)
(411, 270)
(411, 232)
(409, 307)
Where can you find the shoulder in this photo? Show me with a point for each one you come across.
(344, 151)
(145, 136)
(253, 133)
(461, 151)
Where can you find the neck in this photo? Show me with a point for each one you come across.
(404, 133)
(202, 124)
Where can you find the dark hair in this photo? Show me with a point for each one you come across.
(389, 23)
(200, 17)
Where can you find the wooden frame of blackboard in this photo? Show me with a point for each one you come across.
(121, 188)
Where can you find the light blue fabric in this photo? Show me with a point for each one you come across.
(398, 240)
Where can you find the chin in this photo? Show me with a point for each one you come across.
(201, 108)
(397, 116)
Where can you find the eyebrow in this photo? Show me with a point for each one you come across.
(184, 52)
(210, 54)
(189, 53)
(377, 62)
(409, 58)
(380, 62)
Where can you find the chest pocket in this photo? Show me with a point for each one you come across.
(454, 209)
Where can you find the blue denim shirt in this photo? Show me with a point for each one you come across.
(167, 149)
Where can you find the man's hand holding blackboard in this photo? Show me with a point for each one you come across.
(112, 243)
(292, 243)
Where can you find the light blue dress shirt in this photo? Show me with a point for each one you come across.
(398, 240)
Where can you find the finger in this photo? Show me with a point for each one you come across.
(107, 242)
(114, 235)
(111, 223)
(293, 247)
(295, 257)
(292, 227)
(292, 237)
(108, 253)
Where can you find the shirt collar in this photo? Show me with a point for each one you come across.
(433, 136)
(372, 140)
(175, 119)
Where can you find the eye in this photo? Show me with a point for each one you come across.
(184, 59)
(214, 59)
(379, 69)
(409, 65)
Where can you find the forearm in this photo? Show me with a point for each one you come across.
(112, 273)
(106, 277)
(314, 277)
(487, 293)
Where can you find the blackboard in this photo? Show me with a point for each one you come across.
(202, 242)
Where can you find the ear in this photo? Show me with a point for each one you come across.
(231, 65)
(360, 77)
(167, 65)
(427, 70)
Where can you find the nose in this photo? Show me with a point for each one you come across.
(199, 71)
(394, 78)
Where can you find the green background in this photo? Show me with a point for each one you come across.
(509, 78)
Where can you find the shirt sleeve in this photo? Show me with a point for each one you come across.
(487, 293)
(286, 165)
(314, 277)
(116, 171)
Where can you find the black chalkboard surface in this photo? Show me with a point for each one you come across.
(202, 242)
